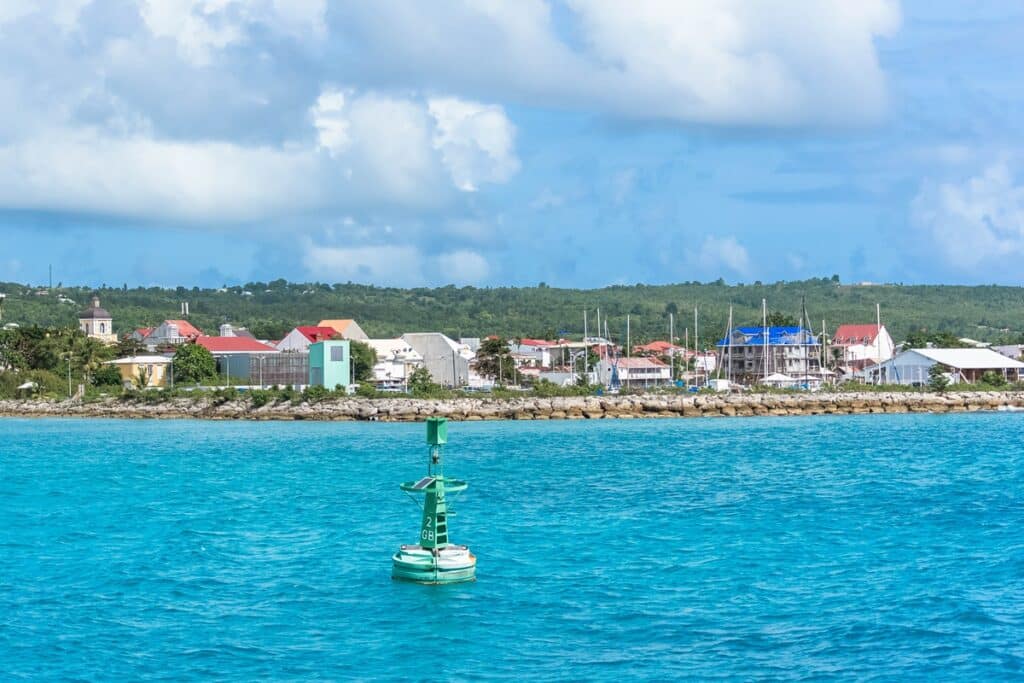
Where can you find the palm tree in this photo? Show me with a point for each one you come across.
(89, 355)
(141, 378)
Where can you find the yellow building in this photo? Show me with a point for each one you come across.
(153, 371)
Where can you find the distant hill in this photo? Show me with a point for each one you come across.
(989, 313)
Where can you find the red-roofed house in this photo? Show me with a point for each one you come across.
(533, 352)
(301, 337)
(862, 345)
(169, 332)
(658, 348)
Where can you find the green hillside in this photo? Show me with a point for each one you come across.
(990, 313)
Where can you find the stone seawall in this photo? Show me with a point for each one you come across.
(571, 408)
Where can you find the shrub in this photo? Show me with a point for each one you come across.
(994, 379)
(367, 390)
(259, 397)
(315, 394)
(48, 383)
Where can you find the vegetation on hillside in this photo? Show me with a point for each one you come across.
(269, 310)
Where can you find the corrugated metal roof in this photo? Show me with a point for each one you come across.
(970, 359)
(777, 336)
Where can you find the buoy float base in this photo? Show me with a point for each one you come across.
(451, 564)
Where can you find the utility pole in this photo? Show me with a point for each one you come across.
(696, 348)
(686, 346)
(629, 347)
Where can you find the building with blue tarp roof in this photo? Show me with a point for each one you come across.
(791, 350)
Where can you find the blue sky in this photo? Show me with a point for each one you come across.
(203, 142)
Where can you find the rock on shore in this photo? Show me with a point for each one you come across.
(528, 408)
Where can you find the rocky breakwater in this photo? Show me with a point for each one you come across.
(527, 408)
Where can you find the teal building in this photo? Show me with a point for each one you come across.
(330, 363)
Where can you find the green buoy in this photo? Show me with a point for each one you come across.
(434, 560)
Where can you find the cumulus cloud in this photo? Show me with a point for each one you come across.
(734, 62)
(200, 28)
(476, 141)
(368, 150)
(87, 171)
(975, 222)
(716, 253)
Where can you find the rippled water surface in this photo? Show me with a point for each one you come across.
(855, 547)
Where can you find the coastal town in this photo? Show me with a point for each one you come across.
(336, 354)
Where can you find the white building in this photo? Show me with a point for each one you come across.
(963, 365)
(169, 332)
(862, 345)
(97, 323)
(532, 352)
(396, 360)
(445, 359)
(634, 373)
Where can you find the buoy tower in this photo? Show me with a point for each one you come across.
(434, 559)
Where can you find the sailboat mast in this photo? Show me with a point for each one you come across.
(696, 349)
(728, 368)
(586, 361)
(686, 345)
(878, 336)
(672, 341)
(764, 335)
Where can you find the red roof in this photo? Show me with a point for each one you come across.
(855, 334)
(656, 347)
(143, 331)
(233, 345)
(639, 363)
(535, 342)
(185, 328)
(315, 333)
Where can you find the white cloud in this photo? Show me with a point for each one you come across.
(975, 222)
(195, 25)
(399, 265)
(463, 266)
(723, 252)
(330, 121)
(369, 150)
(732, 62)
(88, 171)
(201, 28)
(476, 141)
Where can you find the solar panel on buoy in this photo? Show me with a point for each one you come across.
(423, 483)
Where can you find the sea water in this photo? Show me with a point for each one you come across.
(887, 547)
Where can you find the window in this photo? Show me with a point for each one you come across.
(103, 328)
(337, 353)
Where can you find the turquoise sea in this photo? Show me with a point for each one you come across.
(887, 547)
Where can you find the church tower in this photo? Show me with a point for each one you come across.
(97, 323)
